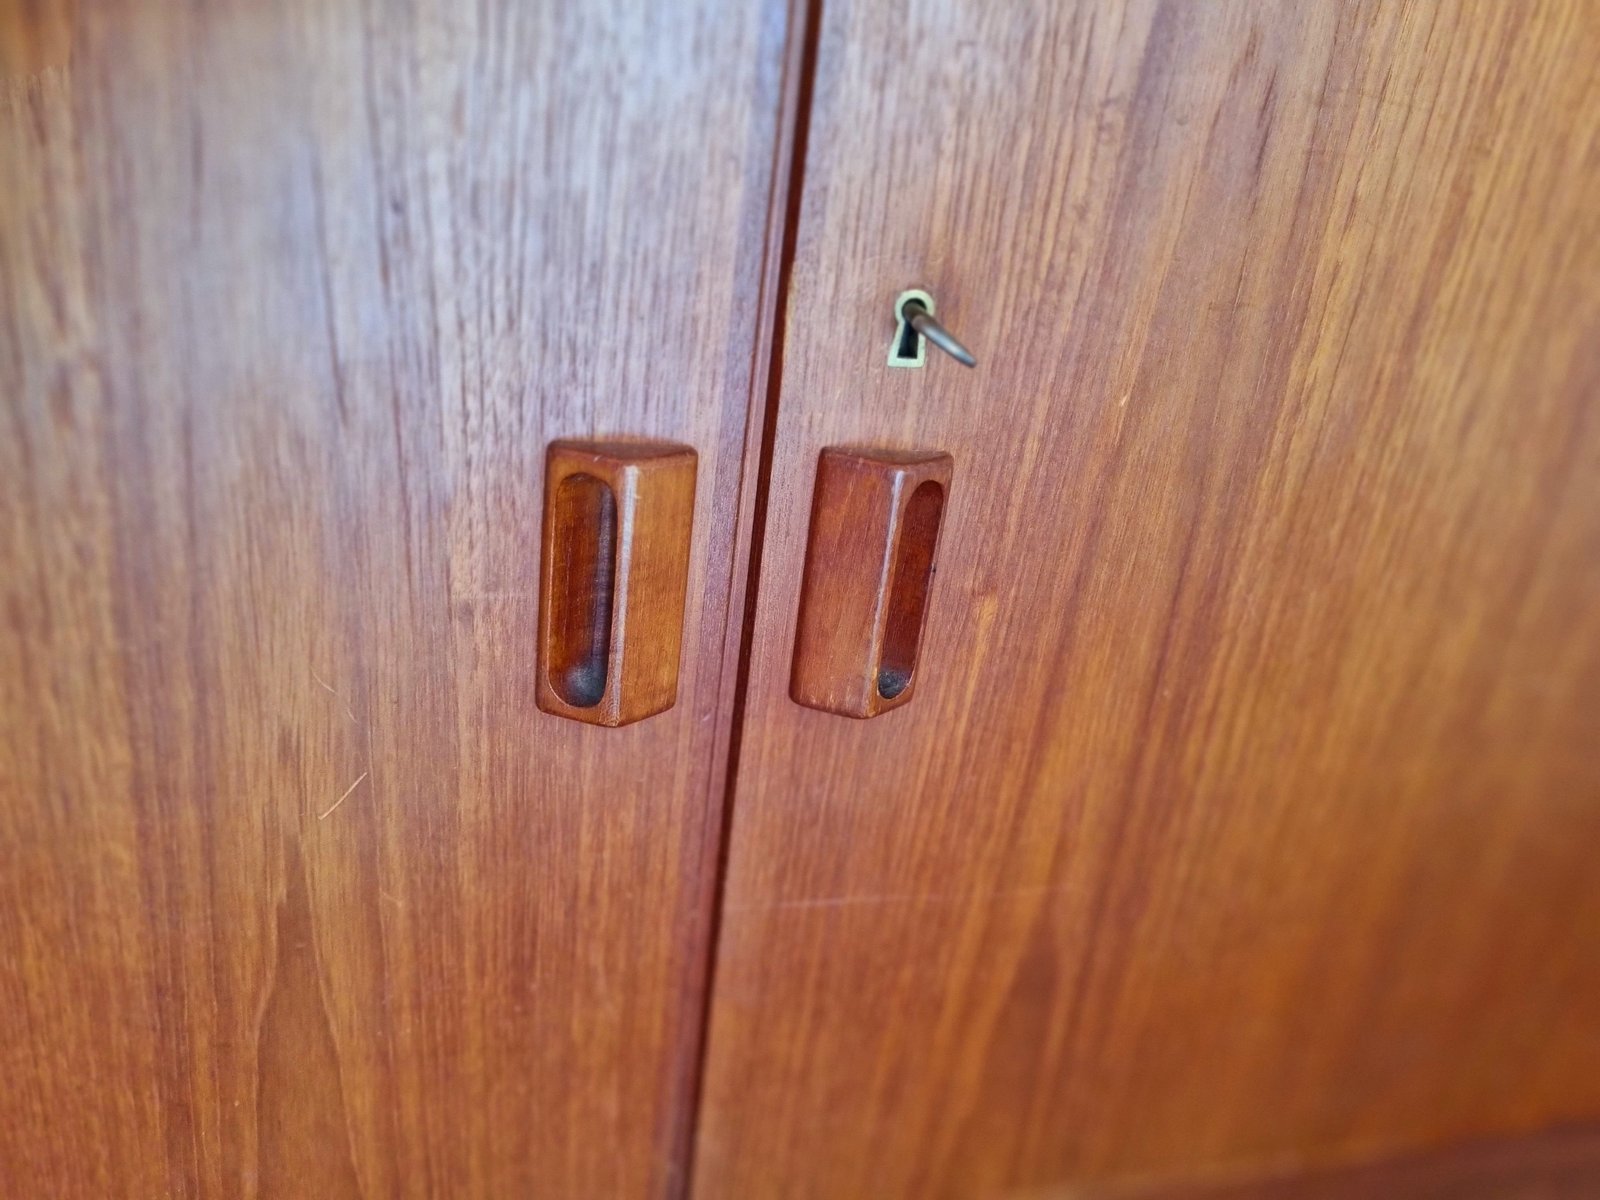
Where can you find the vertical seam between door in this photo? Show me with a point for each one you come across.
(787, 178)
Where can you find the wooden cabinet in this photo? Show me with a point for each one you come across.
(1238, 835)
(300, 893)
(1246, 816)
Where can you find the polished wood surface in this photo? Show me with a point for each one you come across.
(300, 894)
(1249, 807)
(1553, 1164)
(870, 558)
(618, 519)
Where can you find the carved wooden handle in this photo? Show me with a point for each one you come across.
(869, 567)
(615, 572)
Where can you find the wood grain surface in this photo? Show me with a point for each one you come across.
(1249, 808)
(300, 895)
(1553, 1164)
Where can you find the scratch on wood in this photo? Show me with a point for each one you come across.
(1018, 893)
(343, 703)
(325, 815)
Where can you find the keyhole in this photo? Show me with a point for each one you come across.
(909, 337)
(909, 348)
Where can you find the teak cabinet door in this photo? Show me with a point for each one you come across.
(1247, 813)
(300, 894)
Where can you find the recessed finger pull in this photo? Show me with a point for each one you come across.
(870, 560)
(915, 327)
(614, 575)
